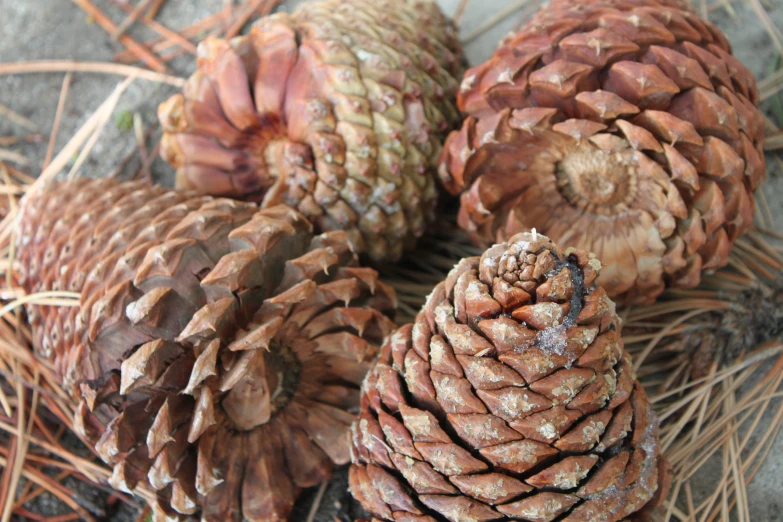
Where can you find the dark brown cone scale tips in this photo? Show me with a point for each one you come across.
(510, 396)
(218, 348)
(338, 110)
(622, 127)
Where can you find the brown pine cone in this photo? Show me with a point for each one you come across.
(732, 314)
(338, 110)
(217, 350)
(623, 127)
(510, 396)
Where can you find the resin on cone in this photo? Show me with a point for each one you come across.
(338, 110)
(511, 396)
(623, 127)
(217, 349)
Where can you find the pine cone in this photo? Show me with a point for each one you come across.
(623, 127)
(732, 313)
(510, 396)
(338, 110)
(218, 349)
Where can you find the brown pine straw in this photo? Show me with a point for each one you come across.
(169, 34)
(317, 502)
(460, 11)
(17, 118)
(102, 116)
(57, 117)
(154, 8)
(32, 401)
(167, 57)
(10, 155)
(250, 9)
(133, 15)
(773, 32)
(141, 144)
(15, 140)
(50, 66)
(218, 24)
(158, 45)
(105, 22)
(716, 416)
(228, 8)
(242, 19)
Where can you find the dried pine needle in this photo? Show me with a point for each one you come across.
(57, 117)
(460, 12)
(167, 34)
(50, 66)
(105, 22)
(134, 15)
(102, 115)
(34, 387)
(17, 118)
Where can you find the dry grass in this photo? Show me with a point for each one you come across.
(730, 412)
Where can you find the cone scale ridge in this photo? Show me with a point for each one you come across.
(338, 109)
(511, 395)
(217, 349)
(622, 127)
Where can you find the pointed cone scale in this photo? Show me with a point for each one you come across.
(604, 139)
(525, 417)
(216, 358)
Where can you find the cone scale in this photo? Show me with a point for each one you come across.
(622, 127)
(338, 110)
(217, 349)
(510, 396)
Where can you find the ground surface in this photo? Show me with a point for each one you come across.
(56, 29)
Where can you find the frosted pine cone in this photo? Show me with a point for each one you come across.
(338, 110)
(217, 350)
(510, 396)
(624, 127)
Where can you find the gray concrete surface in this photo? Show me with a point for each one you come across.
(51, 29)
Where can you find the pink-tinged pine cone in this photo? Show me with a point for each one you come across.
(217, 349)
(338, 110)
(623, 127)
(511, 396)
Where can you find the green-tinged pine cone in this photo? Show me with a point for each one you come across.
(217, 349)
(511, 396)
(623, 127)
(338, 110)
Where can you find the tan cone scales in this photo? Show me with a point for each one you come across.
(338, 109)
(623, 127)
(511, 396)
(217, 349)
